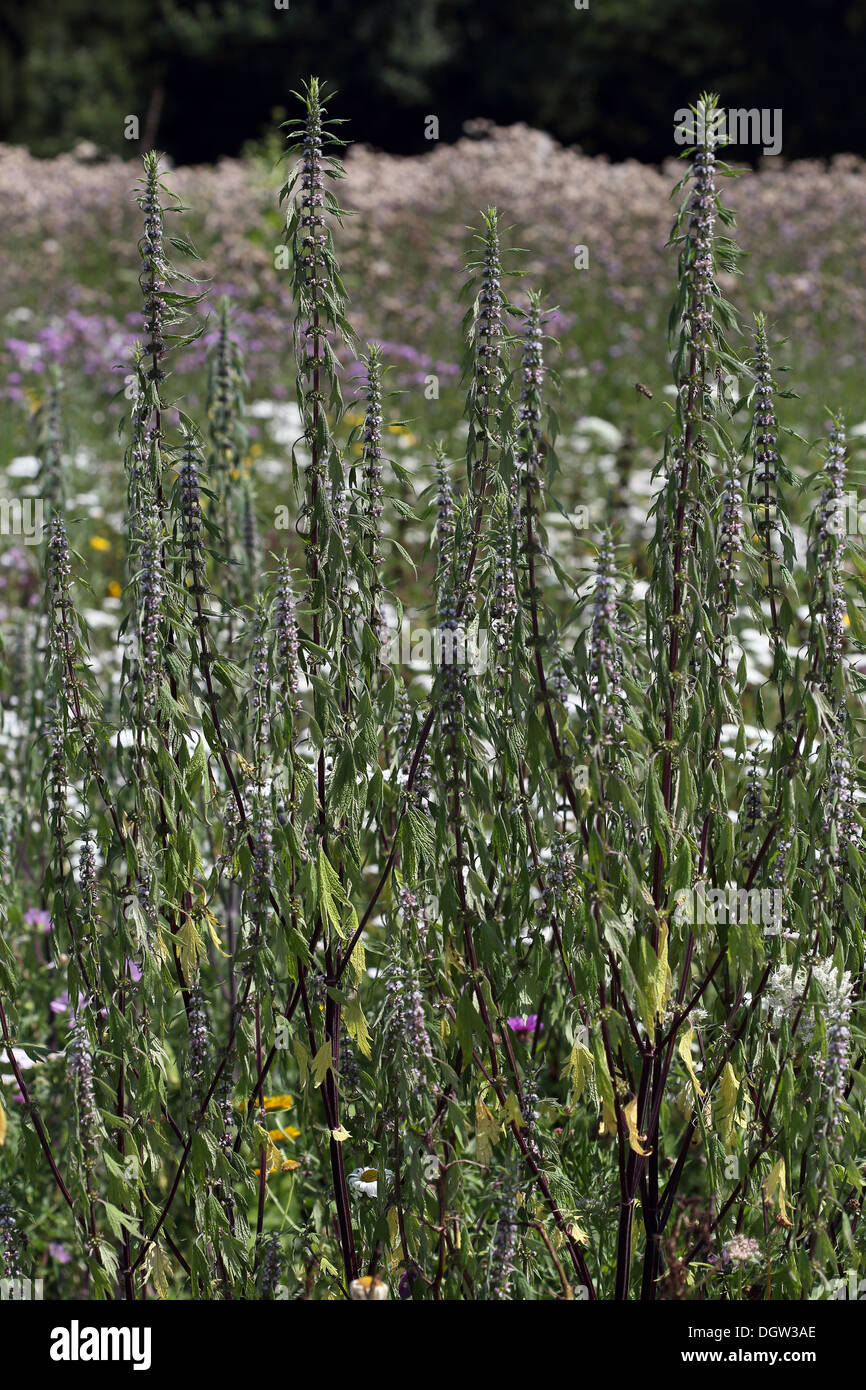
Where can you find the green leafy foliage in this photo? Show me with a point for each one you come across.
(535, 973)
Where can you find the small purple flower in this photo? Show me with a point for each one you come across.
(59, 1253)
(525, 1027)
(60, 1005)
(38, 917)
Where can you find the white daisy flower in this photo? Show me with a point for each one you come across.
(364, 1182)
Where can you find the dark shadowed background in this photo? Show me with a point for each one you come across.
(206, 76)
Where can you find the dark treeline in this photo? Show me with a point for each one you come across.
(206, 76)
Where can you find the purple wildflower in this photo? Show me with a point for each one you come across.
(525, 1027)
(38, 917)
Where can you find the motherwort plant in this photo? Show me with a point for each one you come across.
(534, 978)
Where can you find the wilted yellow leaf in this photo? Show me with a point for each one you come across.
(160, 1270)
(776, 1183)
(486, 1133)
(191, 948)
(603, 1081)
(353, 1017)
(581, 1065)
(685, 1051)
(213, 927)
(511, 1110)
(635, 1138)
(664, 979)
(395, 1249)
(607, 1124)
(322, 1063)
(358, 962)
(729, 1090)
(657, 988)
(274, 1157)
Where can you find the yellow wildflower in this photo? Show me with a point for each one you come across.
(278, 1102)
(288, 1133)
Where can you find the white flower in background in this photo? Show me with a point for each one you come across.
(784, 994)
(24, 1063)
(95, 618)
(833, 1066)
(364, 1182)
(25, 466)
(604, 431)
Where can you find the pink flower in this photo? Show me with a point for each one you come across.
(525, 1027)
(60, 1005)
(38, 917)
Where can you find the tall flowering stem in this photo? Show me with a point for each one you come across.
(605, 661)
(684, 576)
(486, 405)
(530, 458)
(228, 440)
(49, 442)
(828, 537)
(372, 464)
(320, 323)
(771, 523)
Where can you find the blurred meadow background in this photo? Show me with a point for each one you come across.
(69, 288)
(542, 116)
